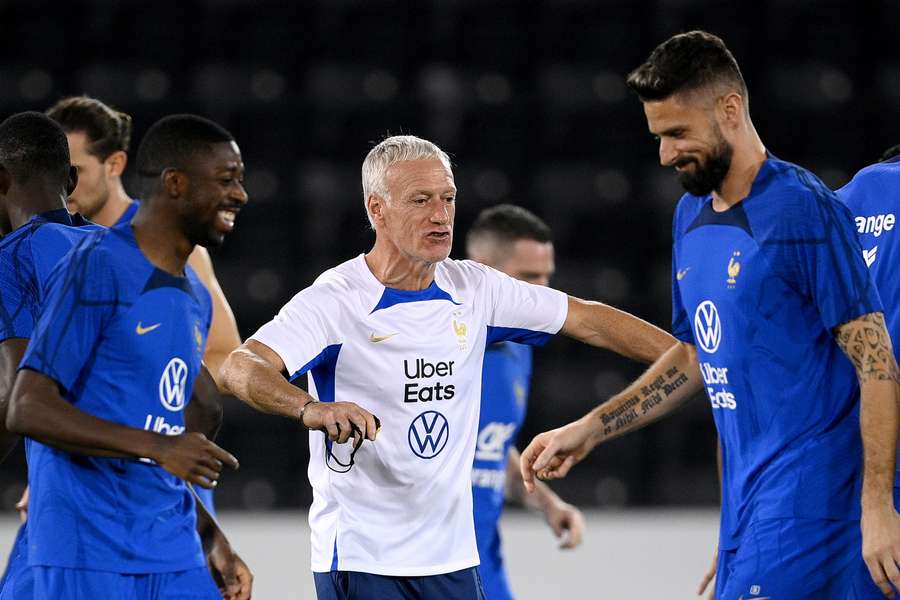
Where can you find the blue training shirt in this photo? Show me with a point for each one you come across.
(124, 340)
(757, 289)
(27, 255)
(873, 197)
(504, 396)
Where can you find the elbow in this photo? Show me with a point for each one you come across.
(228, 376)
(18, 417)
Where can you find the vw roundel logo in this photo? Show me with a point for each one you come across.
(707, 326)
(428, 434)
(172, 385)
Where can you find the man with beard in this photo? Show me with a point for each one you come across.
(401, 333)
(873, 197)
(105, 380)
(769, 292)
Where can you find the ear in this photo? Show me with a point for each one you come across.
(730, 109)
(376, 204)
(72, 181)
(174, 183)
(115, 163)
(5, 181)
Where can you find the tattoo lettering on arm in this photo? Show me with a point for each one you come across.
(867, 344)
(643, 402)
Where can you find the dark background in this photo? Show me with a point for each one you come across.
(528, 97)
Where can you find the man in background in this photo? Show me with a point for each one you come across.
(873, 197)
(515, 241)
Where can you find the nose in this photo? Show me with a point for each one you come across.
(667, 153)
(440, 215)
(239, 194)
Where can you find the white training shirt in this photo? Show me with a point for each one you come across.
(413, 359)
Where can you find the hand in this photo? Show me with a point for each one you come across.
(567, 523)
(338, 420)
(551, 454)
(881, 547)
(231, 574)
(193, 458)
(22, 506)
(709, 577)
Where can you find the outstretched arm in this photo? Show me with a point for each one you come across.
(601, 325)
(866, 342)
(665, 386)
(254, 373)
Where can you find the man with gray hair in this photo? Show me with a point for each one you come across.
(401, 333)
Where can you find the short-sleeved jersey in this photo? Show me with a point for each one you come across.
(414, 359)
(504, 400)
(124, 341)
(27, 255)
(873, 197)
(758, 289)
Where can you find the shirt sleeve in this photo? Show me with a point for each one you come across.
(523, 312)
(17, 297)
(302, 331)
(825, 262)
(80, 301)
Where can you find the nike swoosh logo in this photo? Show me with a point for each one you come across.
(142, 330)
(380, 338)
(680, 274)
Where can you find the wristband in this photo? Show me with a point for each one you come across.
(303, 411)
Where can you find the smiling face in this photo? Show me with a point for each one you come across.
(417, 216)
(215, 194)
(691, 141)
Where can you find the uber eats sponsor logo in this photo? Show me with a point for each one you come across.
(716, 378)
(876, 224)
(424, 388)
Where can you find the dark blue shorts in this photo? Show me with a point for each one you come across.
(791, 559)
(57, 583)
(17, 581)
(352, 585)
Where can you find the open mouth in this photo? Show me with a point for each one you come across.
(225, 218)
(439, 235)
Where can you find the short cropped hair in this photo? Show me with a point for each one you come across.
(394, 149)
(498, 227)
(32, 144)
(892, 152)
(684, 63)
(174, 141)
(107, 130)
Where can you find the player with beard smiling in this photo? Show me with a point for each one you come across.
(770, 295)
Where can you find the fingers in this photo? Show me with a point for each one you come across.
(543, 460)
(362, 424)
(224, 456)
(576, 530)
(893, 574)
(525, 462)
(879, 577)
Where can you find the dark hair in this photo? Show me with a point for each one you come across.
(892, 152)
(174, 141)
(106, 129)
(683, 63)
(32, 144)
(507, 223)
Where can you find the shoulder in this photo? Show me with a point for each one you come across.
(686, 212)
(875, 180)
(800, 201)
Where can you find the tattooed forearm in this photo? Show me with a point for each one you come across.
(866, 343)
(621, 414)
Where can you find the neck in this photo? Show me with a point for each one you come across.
(31, 200)
(116, 205)
(160, 238)
(749, 155)
(397, 270)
